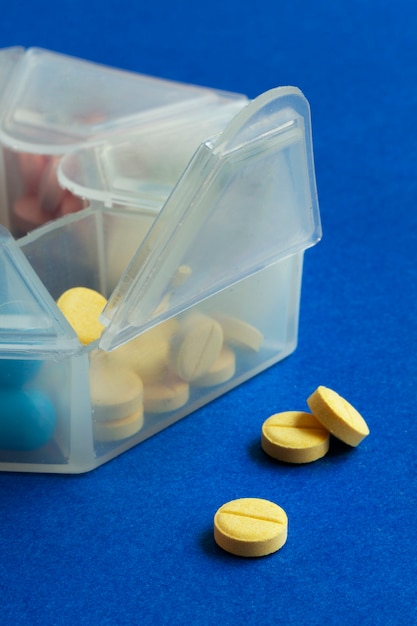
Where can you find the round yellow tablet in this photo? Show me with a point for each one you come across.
(250, 527)
(116, 391)
(221, 371)
(294, 437)
(168, 394)
(196, 347)
(115, 430)
(239, 333)
(82, 307)
(147, 354)
(182, 274)
(338, 416)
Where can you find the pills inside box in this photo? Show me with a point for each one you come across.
(201, 271)
(51, 103)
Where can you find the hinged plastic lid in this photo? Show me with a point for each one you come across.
(140, 168)
(245, 201)
(55, 101)
(30, 323)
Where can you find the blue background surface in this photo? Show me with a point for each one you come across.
(131, 543)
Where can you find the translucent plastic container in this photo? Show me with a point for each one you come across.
(202, 293)
(51, 103)
(139, 168)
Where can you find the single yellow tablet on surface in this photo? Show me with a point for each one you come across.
(250, 527)
(115, 430)
(81, 307)
(196, 346)
(294, 437)
(338, 416)
(221, 371)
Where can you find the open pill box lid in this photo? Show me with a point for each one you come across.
(246, 200)
(140, 167)
(50, 102)
(30, 324)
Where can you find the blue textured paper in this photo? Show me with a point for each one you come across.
(131, 543)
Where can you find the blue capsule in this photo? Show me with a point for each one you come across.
(27, 419)
(14, 373)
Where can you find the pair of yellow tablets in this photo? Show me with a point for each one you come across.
(299, 437)
(253, 527)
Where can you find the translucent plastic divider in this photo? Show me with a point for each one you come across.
(51, 103)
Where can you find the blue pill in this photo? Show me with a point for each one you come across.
(16, 372)
(27, 419)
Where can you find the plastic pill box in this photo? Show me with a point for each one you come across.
(191, 211)
(52, 103)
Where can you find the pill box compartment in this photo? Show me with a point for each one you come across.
(51, 103)
(85, 250)
(201, 296)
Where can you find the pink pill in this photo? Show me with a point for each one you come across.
(30, 214)
(31, 167)
(50, 193)
(92, 119)
(70, 204)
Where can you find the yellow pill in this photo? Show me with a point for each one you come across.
(240, 334)
(116, 392)
(250, 527)
(182, 274)
(221, 371)
(168, 394)
(338, 416)
(294, 437)
(82, 307)
(148, 358)
(196, 347)
(147, 355)
(115, 430)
